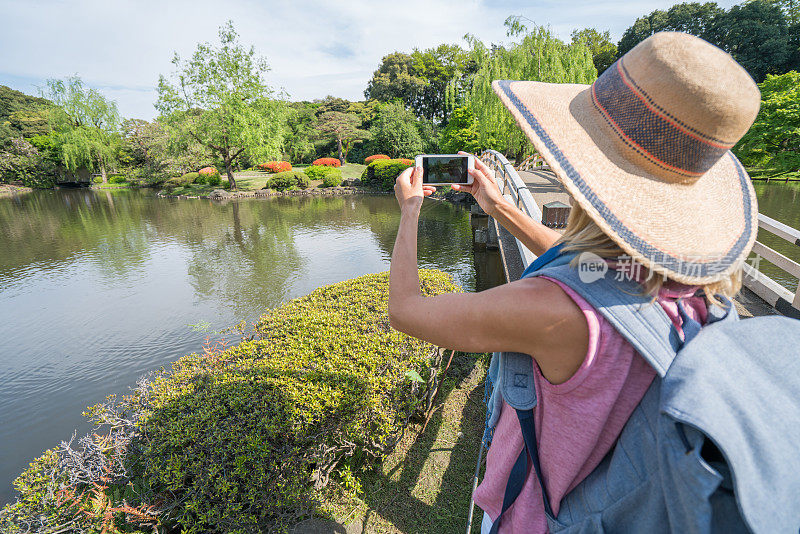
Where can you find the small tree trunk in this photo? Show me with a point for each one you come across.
(229, 171)
(103, 172)
(339, 146)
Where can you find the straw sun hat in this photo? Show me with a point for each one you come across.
(645, 151)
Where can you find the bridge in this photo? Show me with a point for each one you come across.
(535, 188)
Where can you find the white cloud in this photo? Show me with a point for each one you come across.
(314, 48)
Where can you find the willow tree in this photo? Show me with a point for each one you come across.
(535, 55)
(85, 125)
(219, 98)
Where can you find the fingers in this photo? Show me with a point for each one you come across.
(405, 176)
(464, 187)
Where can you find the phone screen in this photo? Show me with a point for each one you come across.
(444, 170)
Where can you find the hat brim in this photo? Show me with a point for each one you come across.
(694, 233)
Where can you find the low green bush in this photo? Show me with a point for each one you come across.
(382, 173)
(117, 179)
(332, 180)
(190, 177)
(214, 180)
(330, 176)
(244, 439)
(98, 179)
(284, 180)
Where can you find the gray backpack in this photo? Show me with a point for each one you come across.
(714, 445)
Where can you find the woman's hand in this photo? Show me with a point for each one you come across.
(483, 186)
(409, 189)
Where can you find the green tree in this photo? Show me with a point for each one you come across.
(461, 132)
(790, 8)
(297, 145)
(85, 125)
(22, 115)
(773, 141)
(438, 67)
(604, 51)
(757, 36)
(343, 128)
(20, 160)
(689, 17)
(394, 131)
(237, 116)
(395, 79)
(536, 55)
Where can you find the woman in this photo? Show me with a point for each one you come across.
(644, 154)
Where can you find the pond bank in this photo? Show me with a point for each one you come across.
(222, 194)
(9, 190)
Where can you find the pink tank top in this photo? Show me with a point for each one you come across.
(578, 421)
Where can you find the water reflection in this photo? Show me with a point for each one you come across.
(780, 201)
(97, 288)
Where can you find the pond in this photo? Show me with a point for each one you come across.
(780, 201)
(98, 288)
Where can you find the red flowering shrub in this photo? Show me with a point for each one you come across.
(328, 162)
(370, 159)
(406, 161)
(208, 171)
(275, 166)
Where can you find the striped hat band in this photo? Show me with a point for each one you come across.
(650, 130)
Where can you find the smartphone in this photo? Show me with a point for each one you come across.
(445, 169)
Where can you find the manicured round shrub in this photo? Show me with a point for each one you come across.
(214, 180)
(98, 179)
(332, 180)
(275, 166)
(285, 180)
(181, 181)
(243, 439)
(208, 171)
(317, 172)
(328, 162)
(406, 161)
(382, 173)
(370, 159)
(116, 179)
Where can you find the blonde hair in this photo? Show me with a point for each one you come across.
(584, 235)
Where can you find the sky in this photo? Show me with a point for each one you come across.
(314, 48)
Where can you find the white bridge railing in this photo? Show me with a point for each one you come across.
(781, 298)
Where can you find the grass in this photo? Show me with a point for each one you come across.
(425, 485)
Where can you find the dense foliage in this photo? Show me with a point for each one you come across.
(243, 439)
(327, 162)
(461, 133)
(85, 126)
(762, 35)
(22, 115)
(288, 180)
(372, 158)
(536, 55)
(208, 172)
(383, 173)
(773, 142)
(275, 166)
(330, 176)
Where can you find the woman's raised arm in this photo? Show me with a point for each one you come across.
(533, 234)
(533, 316)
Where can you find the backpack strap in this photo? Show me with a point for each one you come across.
(640, 320)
